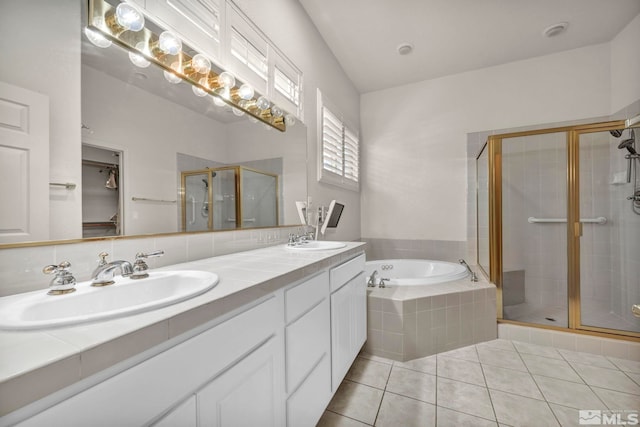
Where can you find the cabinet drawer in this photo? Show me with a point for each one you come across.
(307, 339)
(345, 272)
(302, 297)
(306, 405)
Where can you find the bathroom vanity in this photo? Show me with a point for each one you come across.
(268, 346)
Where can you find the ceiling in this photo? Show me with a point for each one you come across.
(454, 36)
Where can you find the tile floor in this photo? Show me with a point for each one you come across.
(496, 383)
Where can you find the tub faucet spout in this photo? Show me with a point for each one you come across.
(372, 279)
(474, 277)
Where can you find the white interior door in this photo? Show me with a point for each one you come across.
(24, 165)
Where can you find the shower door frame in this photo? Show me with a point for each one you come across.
(574, 226)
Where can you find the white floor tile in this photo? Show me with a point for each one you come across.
(463, 397)
(356, 401)
(424, 364)
(502, 358)
(465, 353)
(369, 372)
(402, 411)
(460, 370)
(538, 350)
(522, 411)
(606, 378)
(448, 418)
(331, 419)
(416, 385)
(567, 393)
(554, 368)
(626, 365)
(587, 359)
(510, 381)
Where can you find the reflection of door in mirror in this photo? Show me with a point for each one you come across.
(101, 192)
(24, 166)
(259, 198)
(225, 189)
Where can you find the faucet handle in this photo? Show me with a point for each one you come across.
(140, 267)
(103, 258)
(63, 282)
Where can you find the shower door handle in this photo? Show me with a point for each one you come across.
(635, 309)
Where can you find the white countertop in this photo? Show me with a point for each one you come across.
(34, 364)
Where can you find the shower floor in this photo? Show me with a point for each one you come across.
(593, 314)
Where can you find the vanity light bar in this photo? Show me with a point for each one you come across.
(146, 43)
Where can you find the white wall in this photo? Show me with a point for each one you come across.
(41, 52)
(286, 23)
(415, 170)
(625, 67)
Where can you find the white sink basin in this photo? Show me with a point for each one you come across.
(315, 245)
(37, 310)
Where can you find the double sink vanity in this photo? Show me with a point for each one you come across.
(262, 337)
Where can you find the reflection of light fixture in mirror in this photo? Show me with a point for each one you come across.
(137, 59)
(276, 111)
(238, 112)
(179, 63)
(169, 43)
(263, 103)
(95, 37)
(198, 91)
(226, 80)
(129, 17)
(246, 92)
(172, 77)
(201, 64)
(289, 120)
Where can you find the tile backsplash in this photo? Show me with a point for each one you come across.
(21, 268)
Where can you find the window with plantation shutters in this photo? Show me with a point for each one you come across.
(340, 152)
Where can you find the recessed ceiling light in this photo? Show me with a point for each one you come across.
(555, 29)
(405, 48)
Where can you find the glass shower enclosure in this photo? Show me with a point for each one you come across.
(564, 227)
(227, 198)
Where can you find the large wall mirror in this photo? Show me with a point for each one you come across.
(158, 158)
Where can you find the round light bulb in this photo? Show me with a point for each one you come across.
(169, 43)
(201, 64)
(276, 111)
(96, 38)
(289, 120)
(129, 17)
(262, 103)
(226, 79)
(197, 91)
(172, 77)
(238, 112)
(219, 102)
(137, 58)
(246, 92)
(224, 92)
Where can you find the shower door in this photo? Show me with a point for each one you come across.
(196, 196)
(609, 242)
(534, 236)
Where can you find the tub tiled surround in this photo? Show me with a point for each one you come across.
(405, 323)
(441, 250)
(21, 268)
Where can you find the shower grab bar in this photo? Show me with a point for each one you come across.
(67, 185)
(598, 220)
(144, 199)
(193, 211)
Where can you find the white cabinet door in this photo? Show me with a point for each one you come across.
(24, 165)
(247, 395)
(341, 335)
(182, 416)
(348, 327)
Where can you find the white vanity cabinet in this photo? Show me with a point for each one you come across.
(348, 316)
(238, 354)
(274, 362)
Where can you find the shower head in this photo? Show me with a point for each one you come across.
(629, 143)
(616, 132)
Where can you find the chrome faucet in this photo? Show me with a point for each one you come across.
(474, 277)
(140, 267)
(382, 285)
(372, 279)
(103, 274)
(63, 282)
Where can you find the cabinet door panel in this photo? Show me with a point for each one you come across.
(360, 310)
(245, 395)
(306, 405)
(341, 334)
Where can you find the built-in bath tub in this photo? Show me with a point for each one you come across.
(427, 307)
(415, 272)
